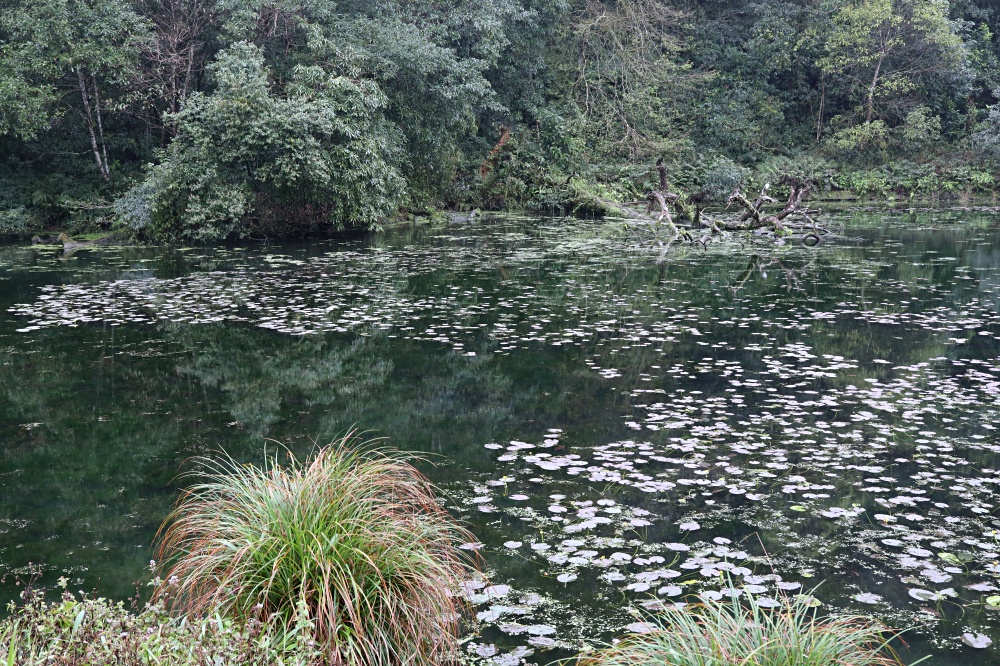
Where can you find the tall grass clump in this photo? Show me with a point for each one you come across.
(731, 633)
(352, 537)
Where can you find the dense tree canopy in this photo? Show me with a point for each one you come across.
(209, 119)
(881, 51)
(245, 159)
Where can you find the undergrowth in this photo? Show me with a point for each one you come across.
(84, 631)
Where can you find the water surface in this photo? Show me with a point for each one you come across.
(620, 433)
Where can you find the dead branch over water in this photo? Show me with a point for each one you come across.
(673, 217)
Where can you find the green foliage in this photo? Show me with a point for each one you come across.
(627, 75)
(24, 107)
(16, 221)
(926, 181)
(805, 168)
(247, 161)
(718, 633)
(722, 178)
(883, 48)
(519, 175)
(865, 183)
(355, 540)
(856, 138)
(32, 198)
(210, 119)
(921, 129)
(743, 120)
(987, 137)
(95, 632)
(429, 65)
(48, 43)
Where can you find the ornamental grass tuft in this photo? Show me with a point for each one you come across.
(352, 537)
(735, 633)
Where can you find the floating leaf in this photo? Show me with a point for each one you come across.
(641, 627)
(923, 595)
(483, 650)
(950, 558)
(978, 641)
(868, 598)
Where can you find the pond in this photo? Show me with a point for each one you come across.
(621, 433)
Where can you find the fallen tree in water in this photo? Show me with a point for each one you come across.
(672, 217)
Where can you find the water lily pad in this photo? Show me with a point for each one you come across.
(978, 641)
(982, 587)
(484, 650)
(935, 576)
(867, 598)
(542, 641)
(922, 595)
(495, 591)
(641, 627)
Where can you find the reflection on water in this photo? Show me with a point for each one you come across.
(621, 434)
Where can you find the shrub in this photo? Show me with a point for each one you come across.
(858, 138)
(921, 128)
(729, 633)
(96, 632)
(870, 183)
(250, 158)
(722, 177)
(986, 140)
(355, 539)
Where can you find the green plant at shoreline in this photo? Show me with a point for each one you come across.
(86, 631)
(352, 539)
(735, 633)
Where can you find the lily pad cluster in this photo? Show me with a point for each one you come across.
(811, 421)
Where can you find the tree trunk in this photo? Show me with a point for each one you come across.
(100, 129)
(822, 105)
(870, 105)
(89, 120)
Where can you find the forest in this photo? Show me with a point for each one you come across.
(206, 120)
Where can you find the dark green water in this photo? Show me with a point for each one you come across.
(615, 430)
